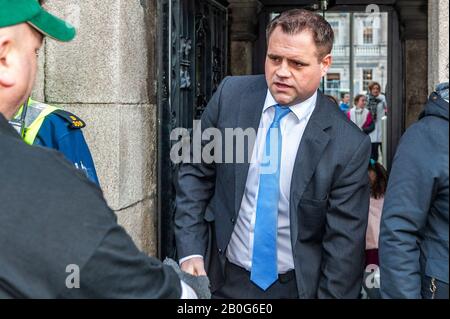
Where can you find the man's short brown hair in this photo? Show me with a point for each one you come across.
(297, 20)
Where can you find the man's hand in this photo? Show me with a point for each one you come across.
(199, 283)
(194, 266)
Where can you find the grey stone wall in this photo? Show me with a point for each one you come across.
(426, 61)
(437, 42)
(416, 84)
(243, 16)
(106, 76)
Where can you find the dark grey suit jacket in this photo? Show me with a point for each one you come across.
(329, 194)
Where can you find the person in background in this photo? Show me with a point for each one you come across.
(332, 99)
(49, 126)
(376, 104)
(360, 115)
(344, 105)
(53, 127)
(378, 183)
(414, 232)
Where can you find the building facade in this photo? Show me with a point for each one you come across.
(359, 52)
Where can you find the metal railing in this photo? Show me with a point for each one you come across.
(360, 51)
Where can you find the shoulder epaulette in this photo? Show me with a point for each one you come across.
(75, 121)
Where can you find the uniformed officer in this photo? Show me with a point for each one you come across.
(52, 127)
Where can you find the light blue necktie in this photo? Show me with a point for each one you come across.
(264, 262)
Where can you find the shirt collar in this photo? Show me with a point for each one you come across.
(6, 128)
(301, 110)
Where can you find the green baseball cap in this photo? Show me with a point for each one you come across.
(14, 12)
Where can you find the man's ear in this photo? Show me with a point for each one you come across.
(6, 77)
(325, 64)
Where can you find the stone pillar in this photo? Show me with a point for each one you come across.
(243, 32)
(416, 70)
(106, 77)
(437, 42)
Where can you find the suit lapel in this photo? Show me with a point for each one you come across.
(309, 153)
(251, 105)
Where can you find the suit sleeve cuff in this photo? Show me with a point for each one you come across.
(182, 260)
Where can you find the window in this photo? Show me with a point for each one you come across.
(367, 78)
(333, 80)
(335, 26)
(368, 35)
(368, 32)
(333, 84)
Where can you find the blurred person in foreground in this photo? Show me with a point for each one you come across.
(59, 238)
(414, 225)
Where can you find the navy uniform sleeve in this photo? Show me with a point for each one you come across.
(61, 130)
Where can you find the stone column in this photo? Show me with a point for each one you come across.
(415, 79)
(437, 42)
(244, 20)
(106, 77)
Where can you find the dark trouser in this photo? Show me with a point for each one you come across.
(238, 286)
(374, 155)
(440, 291)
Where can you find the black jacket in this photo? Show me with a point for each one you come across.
(55, 222)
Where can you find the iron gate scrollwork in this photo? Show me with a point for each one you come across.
(192, 60)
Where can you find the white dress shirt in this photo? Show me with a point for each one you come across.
(292, 126)
(187, 292)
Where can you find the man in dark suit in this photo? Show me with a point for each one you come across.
(294, 228)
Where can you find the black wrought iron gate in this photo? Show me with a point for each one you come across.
(192, 60)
